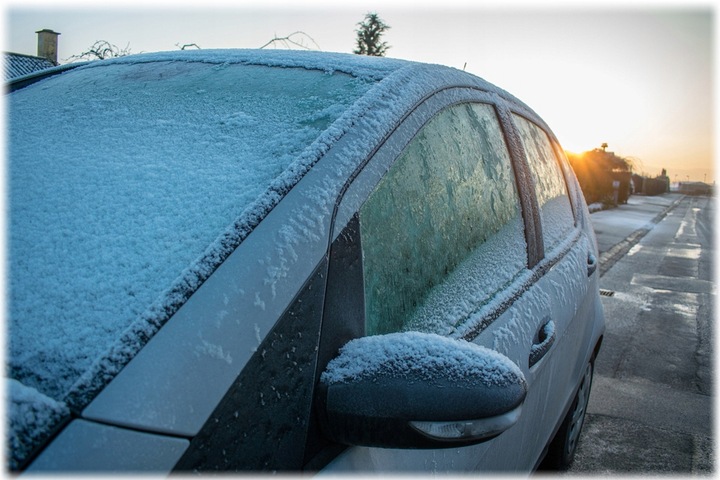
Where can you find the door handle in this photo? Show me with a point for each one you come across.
(544, 339)
(592, 263)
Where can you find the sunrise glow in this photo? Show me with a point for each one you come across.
(639, 80)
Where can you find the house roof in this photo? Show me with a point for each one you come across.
(17, 65)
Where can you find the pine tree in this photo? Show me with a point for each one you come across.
(368, 36)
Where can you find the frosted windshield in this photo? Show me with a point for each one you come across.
(125, 177)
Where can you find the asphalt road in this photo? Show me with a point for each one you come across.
(650, 409)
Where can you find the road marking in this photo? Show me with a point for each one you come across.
(673, 284)
(691, 252)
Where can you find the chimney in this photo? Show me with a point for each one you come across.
(47, 45)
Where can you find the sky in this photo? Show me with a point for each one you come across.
(639, 76)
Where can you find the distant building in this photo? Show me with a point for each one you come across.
(17, 64)
(651, 186)
(695, 188)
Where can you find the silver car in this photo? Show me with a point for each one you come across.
(291, 261)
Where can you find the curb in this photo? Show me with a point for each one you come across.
(612, 255)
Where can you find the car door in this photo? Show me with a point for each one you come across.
(444, 223)
(568, 267)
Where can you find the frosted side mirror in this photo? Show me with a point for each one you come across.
(417, 390)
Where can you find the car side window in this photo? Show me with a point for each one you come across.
(442, 231)
(556, 213)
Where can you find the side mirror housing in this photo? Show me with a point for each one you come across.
(418, 390)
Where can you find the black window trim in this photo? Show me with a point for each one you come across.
(526, 188)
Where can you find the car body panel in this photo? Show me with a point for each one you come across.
(230, 379)
(90, 448)
(177, 379)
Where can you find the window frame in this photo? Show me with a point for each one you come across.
(563, 166)
(419, 260)
(360, 184)
(571, 185)
(568, 175)
(369, 173)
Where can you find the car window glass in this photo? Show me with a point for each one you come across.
(442, 231)
(555, 211)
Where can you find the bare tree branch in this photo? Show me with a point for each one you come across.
(188, 45)
(101, 50)
(288, 41)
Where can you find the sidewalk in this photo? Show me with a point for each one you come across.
(620, 228)
(650, 409)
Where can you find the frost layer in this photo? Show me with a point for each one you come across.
(31, 415)
(129, 181)
(423, 354)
